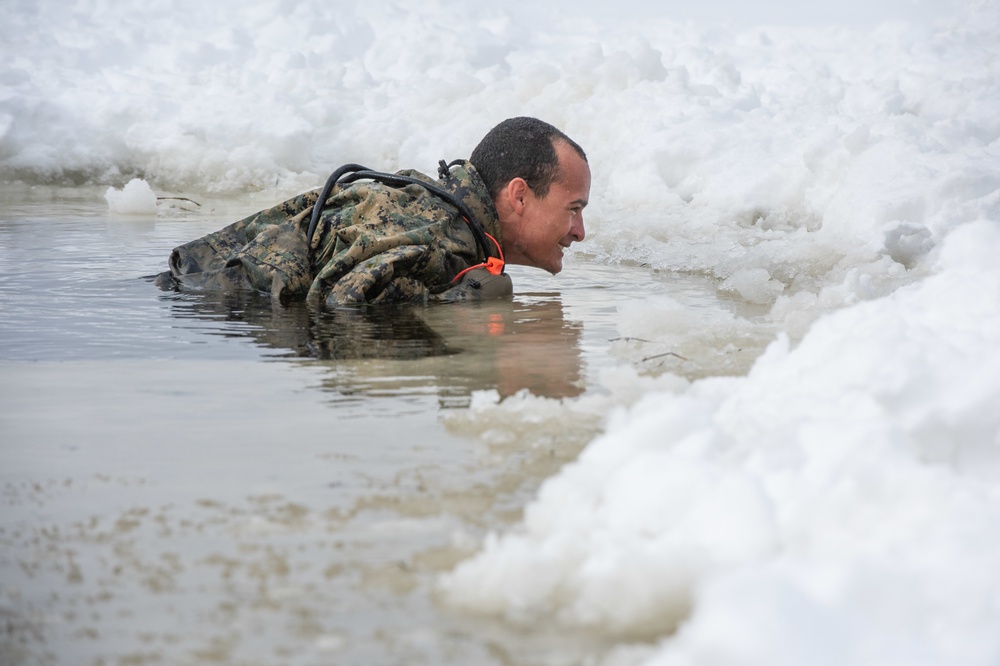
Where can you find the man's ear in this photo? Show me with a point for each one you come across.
(516, 192)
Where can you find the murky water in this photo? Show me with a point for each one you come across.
(191, 480)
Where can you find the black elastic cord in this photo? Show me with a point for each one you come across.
(324, 194)
(352, 172)
(444, 168)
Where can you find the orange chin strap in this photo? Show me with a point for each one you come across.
(494, 265)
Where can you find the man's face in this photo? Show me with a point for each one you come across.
(548, 225)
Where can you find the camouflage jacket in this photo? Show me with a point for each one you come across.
(374, 243)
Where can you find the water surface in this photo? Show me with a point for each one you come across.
(189, 479)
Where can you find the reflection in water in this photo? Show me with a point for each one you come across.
(510, 346)
(298, 330)
(453, 349)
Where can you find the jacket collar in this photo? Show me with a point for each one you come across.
(465, 182)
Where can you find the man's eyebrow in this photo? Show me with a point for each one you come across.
(582, 202)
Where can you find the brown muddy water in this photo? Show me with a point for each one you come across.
(194, 480)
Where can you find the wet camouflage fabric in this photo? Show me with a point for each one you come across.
(374, 244)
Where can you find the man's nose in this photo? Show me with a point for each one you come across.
(577, 231)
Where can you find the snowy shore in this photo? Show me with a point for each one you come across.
(839, 503)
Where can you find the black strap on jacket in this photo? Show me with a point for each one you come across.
(349, 173)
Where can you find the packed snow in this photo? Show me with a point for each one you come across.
(137, 197)
(836, 168)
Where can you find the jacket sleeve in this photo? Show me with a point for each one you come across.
(405, 266)
(213, 251)
(393, 275)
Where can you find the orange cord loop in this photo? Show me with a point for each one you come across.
(494, 265)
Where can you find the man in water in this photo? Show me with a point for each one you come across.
(405, 237)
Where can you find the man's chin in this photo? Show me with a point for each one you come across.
(553, 266)
(556, 265)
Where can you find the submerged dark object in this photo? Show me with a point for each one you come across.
(479, 283)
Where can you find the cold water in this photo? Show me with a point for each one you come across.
(199, 479)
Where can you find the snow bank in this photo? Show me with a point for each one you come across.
(844, 495)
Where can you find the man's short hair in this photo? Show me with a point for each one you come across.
(520, 148)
